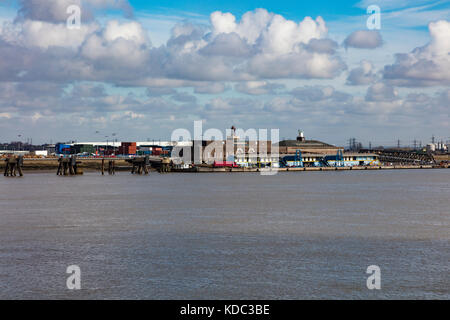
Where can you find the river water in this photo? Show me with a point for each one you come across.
(297, 235)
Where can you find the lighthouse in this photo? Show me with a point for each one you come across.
(301, 136)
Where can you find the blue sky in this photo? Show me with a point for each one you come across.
(310, 65)
(289, 9)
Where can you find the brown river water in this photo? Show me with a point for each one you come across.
(299, 235)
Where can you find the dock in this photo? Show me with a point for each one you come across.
(204, 169)
(140, 165)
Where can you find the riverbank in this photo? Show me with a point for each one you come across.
(202, 169)
(123, 165)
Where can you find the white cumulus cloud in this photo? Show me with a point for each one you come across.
(424, 66)
(364, 39)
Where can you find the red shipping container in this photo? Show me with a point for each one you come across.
(223, 164)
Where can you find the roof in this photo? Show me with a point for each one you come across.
(356, 154)
(322, 155)
(306, 144)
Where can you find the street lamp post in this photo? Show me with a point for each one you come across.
(96, 153)
(114, 145)
(20, 142)
(104, 153)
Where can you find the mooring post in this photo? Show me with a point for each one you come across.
(103, 166)
(66, 167)
(165, 165)
(59, 167)
(19, 165)
(146, 163)
(112, 167)
(75, 166)
(12, 167)
(6, 167)
(71, 171)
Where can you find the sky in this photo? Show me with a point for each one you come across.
(142, 69)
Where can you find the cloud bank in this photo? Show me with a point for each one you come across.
(261, 67)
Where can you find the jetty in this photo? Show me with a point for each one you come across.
(13, 166)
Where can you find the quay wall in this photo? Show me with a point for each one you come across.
(95, 164)
(358, 168)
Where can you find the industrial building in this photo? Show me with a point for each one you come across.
(306, 146)
(241, 152)
(323, 160)
(291, 153)
(111, 148)
(313, 153)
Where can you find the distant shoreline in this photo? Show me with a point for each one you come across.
(50, 165)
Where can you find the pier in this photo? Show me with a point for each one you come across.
(140, 165)
(68, 166)
(13, 165)
(111, 167)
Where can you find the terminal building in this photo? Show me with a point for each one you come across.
(321, 160)
(313, 153)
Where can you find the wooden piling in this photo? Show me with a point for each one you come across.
(13, 166)
(6, 168)
(112, 167)
(165, 165)
(139, 165)
(19, 169)
(58, 172)
(68, 166)
(73, 165)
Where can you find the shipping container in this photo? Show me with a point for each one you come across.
(225, 164)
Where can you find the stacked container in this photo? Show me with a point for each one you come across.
(128, 148)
